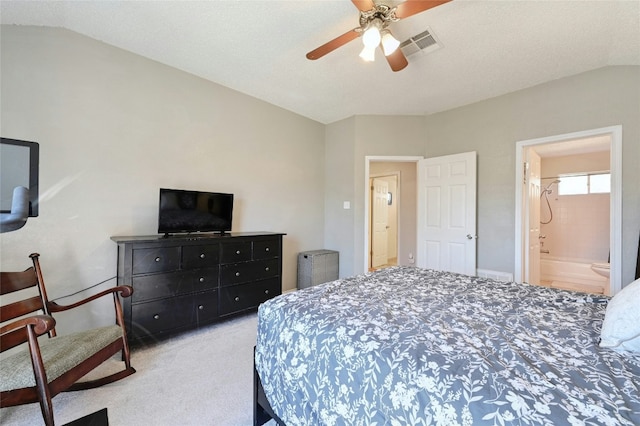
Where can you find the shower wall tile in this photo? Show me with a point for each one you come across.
(580, 227)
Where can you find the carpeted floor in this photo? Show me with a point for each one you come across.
(203, 377)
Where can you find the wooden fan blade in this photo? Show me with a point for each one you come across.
(333, 44)
(364, 5)
(397, 60)
(411, 7)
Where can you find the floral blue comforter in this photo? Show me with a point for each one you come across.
(410, 346)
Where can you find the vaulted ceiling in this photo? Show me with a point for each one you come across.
(485, 48)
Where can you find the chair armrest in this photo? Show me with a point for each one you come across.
(15, 333)
(41, 324)
(124, 290)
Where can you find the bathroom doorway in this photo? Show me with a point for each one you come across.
(568, 225)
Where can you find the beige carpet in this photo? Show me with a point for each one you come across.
(203, 377)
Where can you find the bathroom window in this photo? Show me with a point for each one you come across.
(573, 185)
(587, 184)
(600, 184)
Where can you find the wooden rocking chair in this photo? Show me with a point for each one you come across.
(42, 368)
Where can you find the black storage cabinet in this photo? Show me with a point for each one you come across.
(182, 282)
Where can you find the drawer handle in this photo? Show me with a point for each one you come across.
(202, 256)
(201, 307)
(237, 251)
(266, 292)
(201, 279)
(266, 249)
(237, 299)
(156, 316)
(237, 274)
(157, 259)
(266, 269)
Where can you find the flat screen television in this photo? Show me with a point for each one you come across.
(19, 164)
(183, 211)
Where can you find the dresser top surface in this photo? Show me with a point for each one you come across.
(191, 237)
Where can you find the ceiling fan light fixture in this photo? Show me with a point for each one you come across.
(389, 42)
(374, 19)
(371, 37)
(368, 54)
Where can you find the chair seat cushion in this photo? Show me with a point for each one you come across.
(59, 355)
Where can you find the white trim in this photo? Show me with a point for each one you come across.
(495, 275)
(367, 160)
(615, 232)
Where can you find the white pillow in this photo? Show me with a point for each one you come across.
(621, 325)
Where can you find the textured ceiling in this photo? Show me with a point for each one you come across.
(258, 47)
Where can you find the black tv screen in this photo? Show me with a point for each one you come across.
(19, 164)
(183, 211)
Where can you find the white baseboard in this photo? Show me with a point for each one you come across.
(495, 275)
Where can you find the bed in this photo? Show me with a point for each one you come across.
(412, 346)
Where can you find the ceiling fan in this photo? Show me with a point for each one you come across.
(374, 22)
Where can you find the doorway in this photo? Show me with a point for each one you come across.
(404, 201)
(535, 215)
(383, 213)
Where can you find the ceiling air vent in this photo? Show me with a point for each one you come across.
(424, 42)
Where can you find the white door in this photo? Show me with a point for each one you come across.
(379, 221)
(532, 197)
(447, 213)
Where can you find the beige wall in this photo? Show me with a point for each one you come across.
(339, 183)
(348, 142)
(114, 127)
(552, 167)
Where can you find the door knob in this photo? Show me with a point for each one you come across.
(471, 237)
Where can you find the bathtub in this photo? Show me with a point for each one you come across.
(572, 274)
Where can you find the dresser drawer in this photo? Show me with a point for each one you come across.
(235, 252)
(266, 249)
(155, 260)
(248, 271)
(200, 256)
(245, 296)
(158, 286)
(153, 318)
(206, 306)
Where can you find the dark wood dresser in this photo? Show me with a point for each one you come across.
(185, 281)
